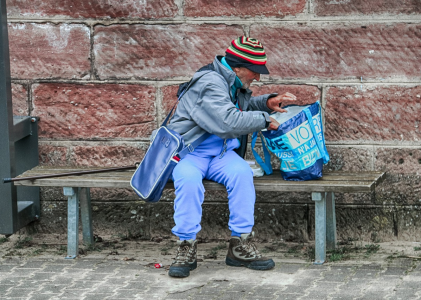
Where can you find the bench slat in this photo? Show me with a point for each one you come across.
(331, 181)
(326, 177)
(266, 185)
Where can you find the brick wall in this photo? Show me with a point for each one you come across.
(101, 75)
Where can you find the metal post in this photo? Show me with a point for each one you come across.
(8, 194)
(86, 216)
(331, 239)
(320, 220)
(72, 221)
(18, 148)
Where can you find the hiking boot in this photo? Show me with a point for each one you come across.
(185, 260)
(243, 252)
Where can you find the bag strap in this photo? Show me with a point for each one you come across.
(190, 147)
(266, 165)
(322, 149)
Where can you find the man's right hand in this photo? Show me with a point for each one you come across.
(273, 124)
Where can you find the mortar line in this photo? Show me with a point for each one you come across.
(61, 142)
(263, 82)
(354, 19)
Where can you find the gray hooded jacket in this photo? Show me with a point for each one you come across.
(207, 107)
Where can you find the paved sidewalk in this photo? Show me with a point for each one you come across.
(127, 272)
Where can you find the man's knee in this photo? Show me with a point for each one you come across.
(187, 175)
(240, 170)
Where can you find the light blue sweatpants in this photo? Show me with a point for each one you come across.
(230, 170)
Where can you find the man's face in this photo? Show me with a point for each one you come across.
(246, 76)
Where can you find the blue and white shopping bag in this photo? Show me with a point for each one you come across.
(298, 143)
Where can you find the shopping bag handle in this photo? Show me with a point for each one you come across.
(321, 147)
(266, 165)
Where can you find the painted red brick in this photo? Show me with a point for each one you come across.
(52, 155)
(92, 8)
(342, 51)
(169, 98)
(107, 155)
(243, 8)
(364, 7)
(93, 111)
(382, 113)
(306, 94)
(158, 51)
(399, 160)
(49, 51)
(20, 100)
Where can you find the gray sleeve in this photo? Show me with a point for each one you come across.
(216, 114)
(259, 102)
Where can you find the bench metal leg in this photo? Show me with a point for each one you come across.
(86, 216)
(72, 221)
(320, 220)
(331, 239)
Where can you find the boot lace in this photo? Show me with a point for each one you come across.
(184, 253)
(250, 247)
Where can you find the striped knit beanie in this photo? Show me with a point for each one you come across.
(247, 52)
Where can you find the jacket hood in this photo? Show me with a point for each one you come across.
(228, 75)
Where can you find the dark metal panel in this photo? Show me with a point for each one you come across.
(8, 195)
(21, 128)
(26, 153)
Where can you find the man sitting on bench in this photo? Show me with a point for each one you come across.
(221, 104)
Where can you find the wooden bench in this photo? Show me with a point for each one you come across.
(76, 188)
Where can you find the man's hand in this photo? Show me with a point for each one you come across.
(275, 103)
(273, 124)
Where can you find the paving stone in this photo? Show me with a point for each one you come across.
(9, 280)
(5, 287)
(32, 265)
(343, 297)
(43, 297)
(288, 296)
(96, 296)
(109, 269)
(6, 268)
(17, 292)
(394, 271)
(404, 294)
(338, 275)
(183, 295)
(89, 265)
(259, 292)
(124, 294)
(54, 268)
(294, 289)
(198, 297)
(232, 296)
(321, 290)
(287, 268)
(22, 272)
(30, 284)
(61, 279)
(84, 285)
(106, 288)
(42, 276)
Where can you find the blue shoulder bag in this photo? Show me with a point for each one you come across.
(164, 153)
